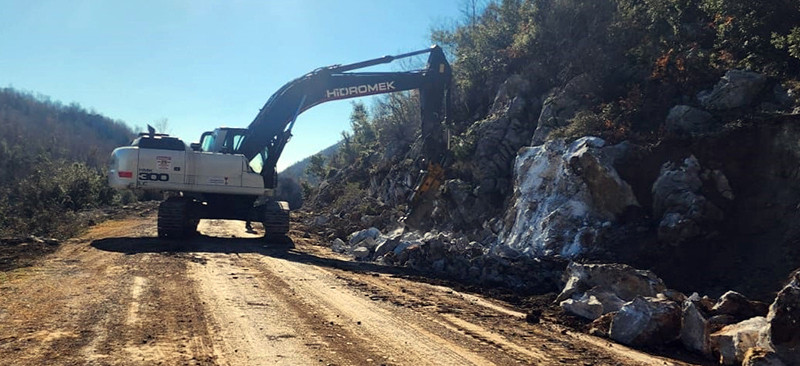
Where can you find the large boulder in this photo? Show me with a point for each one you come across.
(593, 303)
(563, 195)
(385, 246)
(782, 334)
(758, 356)
(732, 342)
(699, 321)
(361, 253)
(738, 306)
(359, 236)
(586, 307)
(611, 195)
(737, 89)
(339, 246)
(695, 330)
(647, 321)
(677, 200)
(624, 281)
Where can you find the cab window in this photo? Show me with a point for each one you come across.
(207, 142)
(257, 163)
(233, 141)
(237, 142)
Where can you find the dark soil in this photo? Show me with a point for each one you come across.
(21, 252)
(14, 255)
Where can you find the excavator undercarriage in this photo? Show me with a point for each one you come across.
(178, 216)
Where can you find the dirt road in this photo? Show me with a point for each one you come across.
(120, 296)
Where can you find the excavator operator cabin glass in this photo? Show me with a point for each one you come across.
(207, 143)
(233, 141)
(257, 163)
(237, 141)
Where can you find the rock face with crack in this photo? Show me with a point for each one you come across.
(563, 196)
(737, 89)
(561, 105)
(500, 136)
(688, 120)
(685, 213)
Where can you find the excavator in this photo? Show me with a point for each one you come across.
(230, 173)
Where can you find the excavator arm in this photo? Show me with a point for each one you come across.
(271, 129)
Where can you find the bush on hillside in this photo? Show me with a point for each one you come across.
(45, 202)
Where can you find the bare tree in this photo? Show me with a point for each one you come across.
(470, 10)
(162, 125)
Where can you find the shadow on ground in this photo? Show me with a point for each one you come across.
(284, 248)
(280, 247)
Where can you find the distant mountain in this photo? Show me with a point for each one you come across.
(290, 187)
(34, 129)
(297, 171)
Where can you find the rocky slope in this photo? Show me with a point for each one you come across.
(709, 208)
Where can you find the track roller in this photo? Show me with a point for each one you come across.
(175, 220)
(276, 218)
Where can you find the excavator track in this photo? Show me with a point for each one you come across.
(276, 218)
(175, 220)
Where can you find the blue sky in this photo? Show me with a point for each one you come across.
(203, 64)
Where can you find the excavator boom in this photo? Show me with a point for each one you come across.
(271, 129)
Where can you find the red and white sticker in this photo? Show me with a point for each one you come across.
(163, 162)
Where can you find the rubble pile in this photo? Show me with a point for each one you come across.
(453, 256)
(634, 307)
(628, 305)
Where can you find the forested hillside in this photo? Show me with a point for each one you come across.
(52, 161)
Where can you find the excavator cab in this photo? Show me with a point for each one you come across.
(224, 140)
(227, 140)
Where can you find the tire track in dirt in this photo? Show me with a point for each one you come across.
(106, 304)
(377, 329)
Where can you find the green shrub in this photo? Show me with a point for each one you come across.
(789, 42)
(744, 33)
(352, 200)
(585, 123)
(46, 201)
